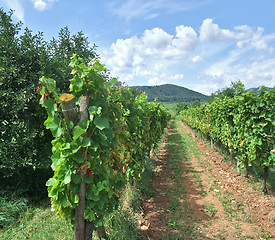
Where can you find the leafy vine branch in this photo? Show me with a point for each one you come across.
(102, 134)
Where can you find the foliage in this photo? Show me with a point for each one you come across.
(110, 145)
(61, 50)
(180, 107)
(243, 123)
(25, 144)
(22, 62)
(195, 104)
(227, 91)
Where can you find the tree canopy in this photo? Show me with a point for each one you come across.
(25, 56)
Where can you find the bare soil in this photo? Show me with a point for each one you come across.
(214, 200)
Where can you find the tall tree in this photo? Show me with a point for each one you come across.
(61, 51)
(25, 145)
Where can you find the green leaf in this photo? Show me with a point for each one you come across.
(63, 200)
(52, 123)
(101, 122)
(89, 215)
(78, 157)
(101, 186)
(51, 182)
(92, 112)
(76, 179)
(56, 160)
(57, 132)
(76, 198)
(88, 179)
(86, 142)
(76, 84)
(84, 124)
(67, 177)
(70, 125)
(99, 110)
(78, 131)
(50, 107)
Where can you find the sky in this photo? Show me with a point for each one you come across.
(203, 45)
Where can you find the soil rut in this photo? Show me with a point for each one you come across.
(199, 196)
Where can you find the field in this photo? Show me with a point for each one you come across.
(200, 196)
(194, 194)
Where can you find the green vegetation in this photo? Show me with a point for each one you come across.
(181, 221)
(95, 156)
(40, 222)
(171, 93)
(243, 124)
(99, 143)
(25, 144)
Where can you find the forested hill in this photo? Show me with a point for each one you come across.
(171, 93)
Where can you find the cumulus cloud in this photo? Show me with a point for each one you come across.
(42, 5)
(150, 55)
(240, 35)
(17, 6)
(212, 57)
(254, 74)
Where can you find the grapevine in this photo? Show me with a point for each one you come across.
(243, 124)
(102, 147)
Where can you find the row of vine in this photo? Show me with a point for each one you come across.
(102, 137)
(243, 124)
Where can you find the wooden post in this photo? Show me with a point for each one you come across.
(212, 142)
(83, 229)
(264, 179)
(89, 226)
(245, 168)
(232, 156)
(69, 108)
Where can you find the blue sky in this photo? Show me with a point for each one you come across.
(203, 45)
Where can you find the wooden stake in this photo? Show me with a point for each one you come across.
(69, 108)
(264, 179)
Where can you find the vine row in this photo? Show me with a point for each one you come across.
(102, 136)
(243, 124)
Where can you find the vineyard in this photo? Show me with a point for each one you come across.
(95, 156)
(84, 157)
(243, 124)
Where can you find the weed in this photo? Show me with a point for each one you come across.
(11, 210)
(210, 208)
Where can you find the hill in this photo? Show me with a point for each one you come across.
(171, 93)
(258, 89)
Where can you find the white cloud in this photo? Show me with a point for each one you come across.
(197, 59)
(213, 59)
(151, 54)
(255, 74)
(211, 32)
(42, 5)
(16, 5)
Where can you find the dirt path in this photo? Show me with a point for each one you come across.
(199, 196)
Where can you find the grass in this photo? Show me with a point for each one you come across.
(20, 220)
(181, 220)
(38, 223)
(11, 210)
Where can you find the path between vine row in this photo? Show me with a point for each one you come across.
(200, 196)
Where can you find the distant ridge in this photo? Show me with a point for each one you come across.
(258, 89)
(171, 93)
